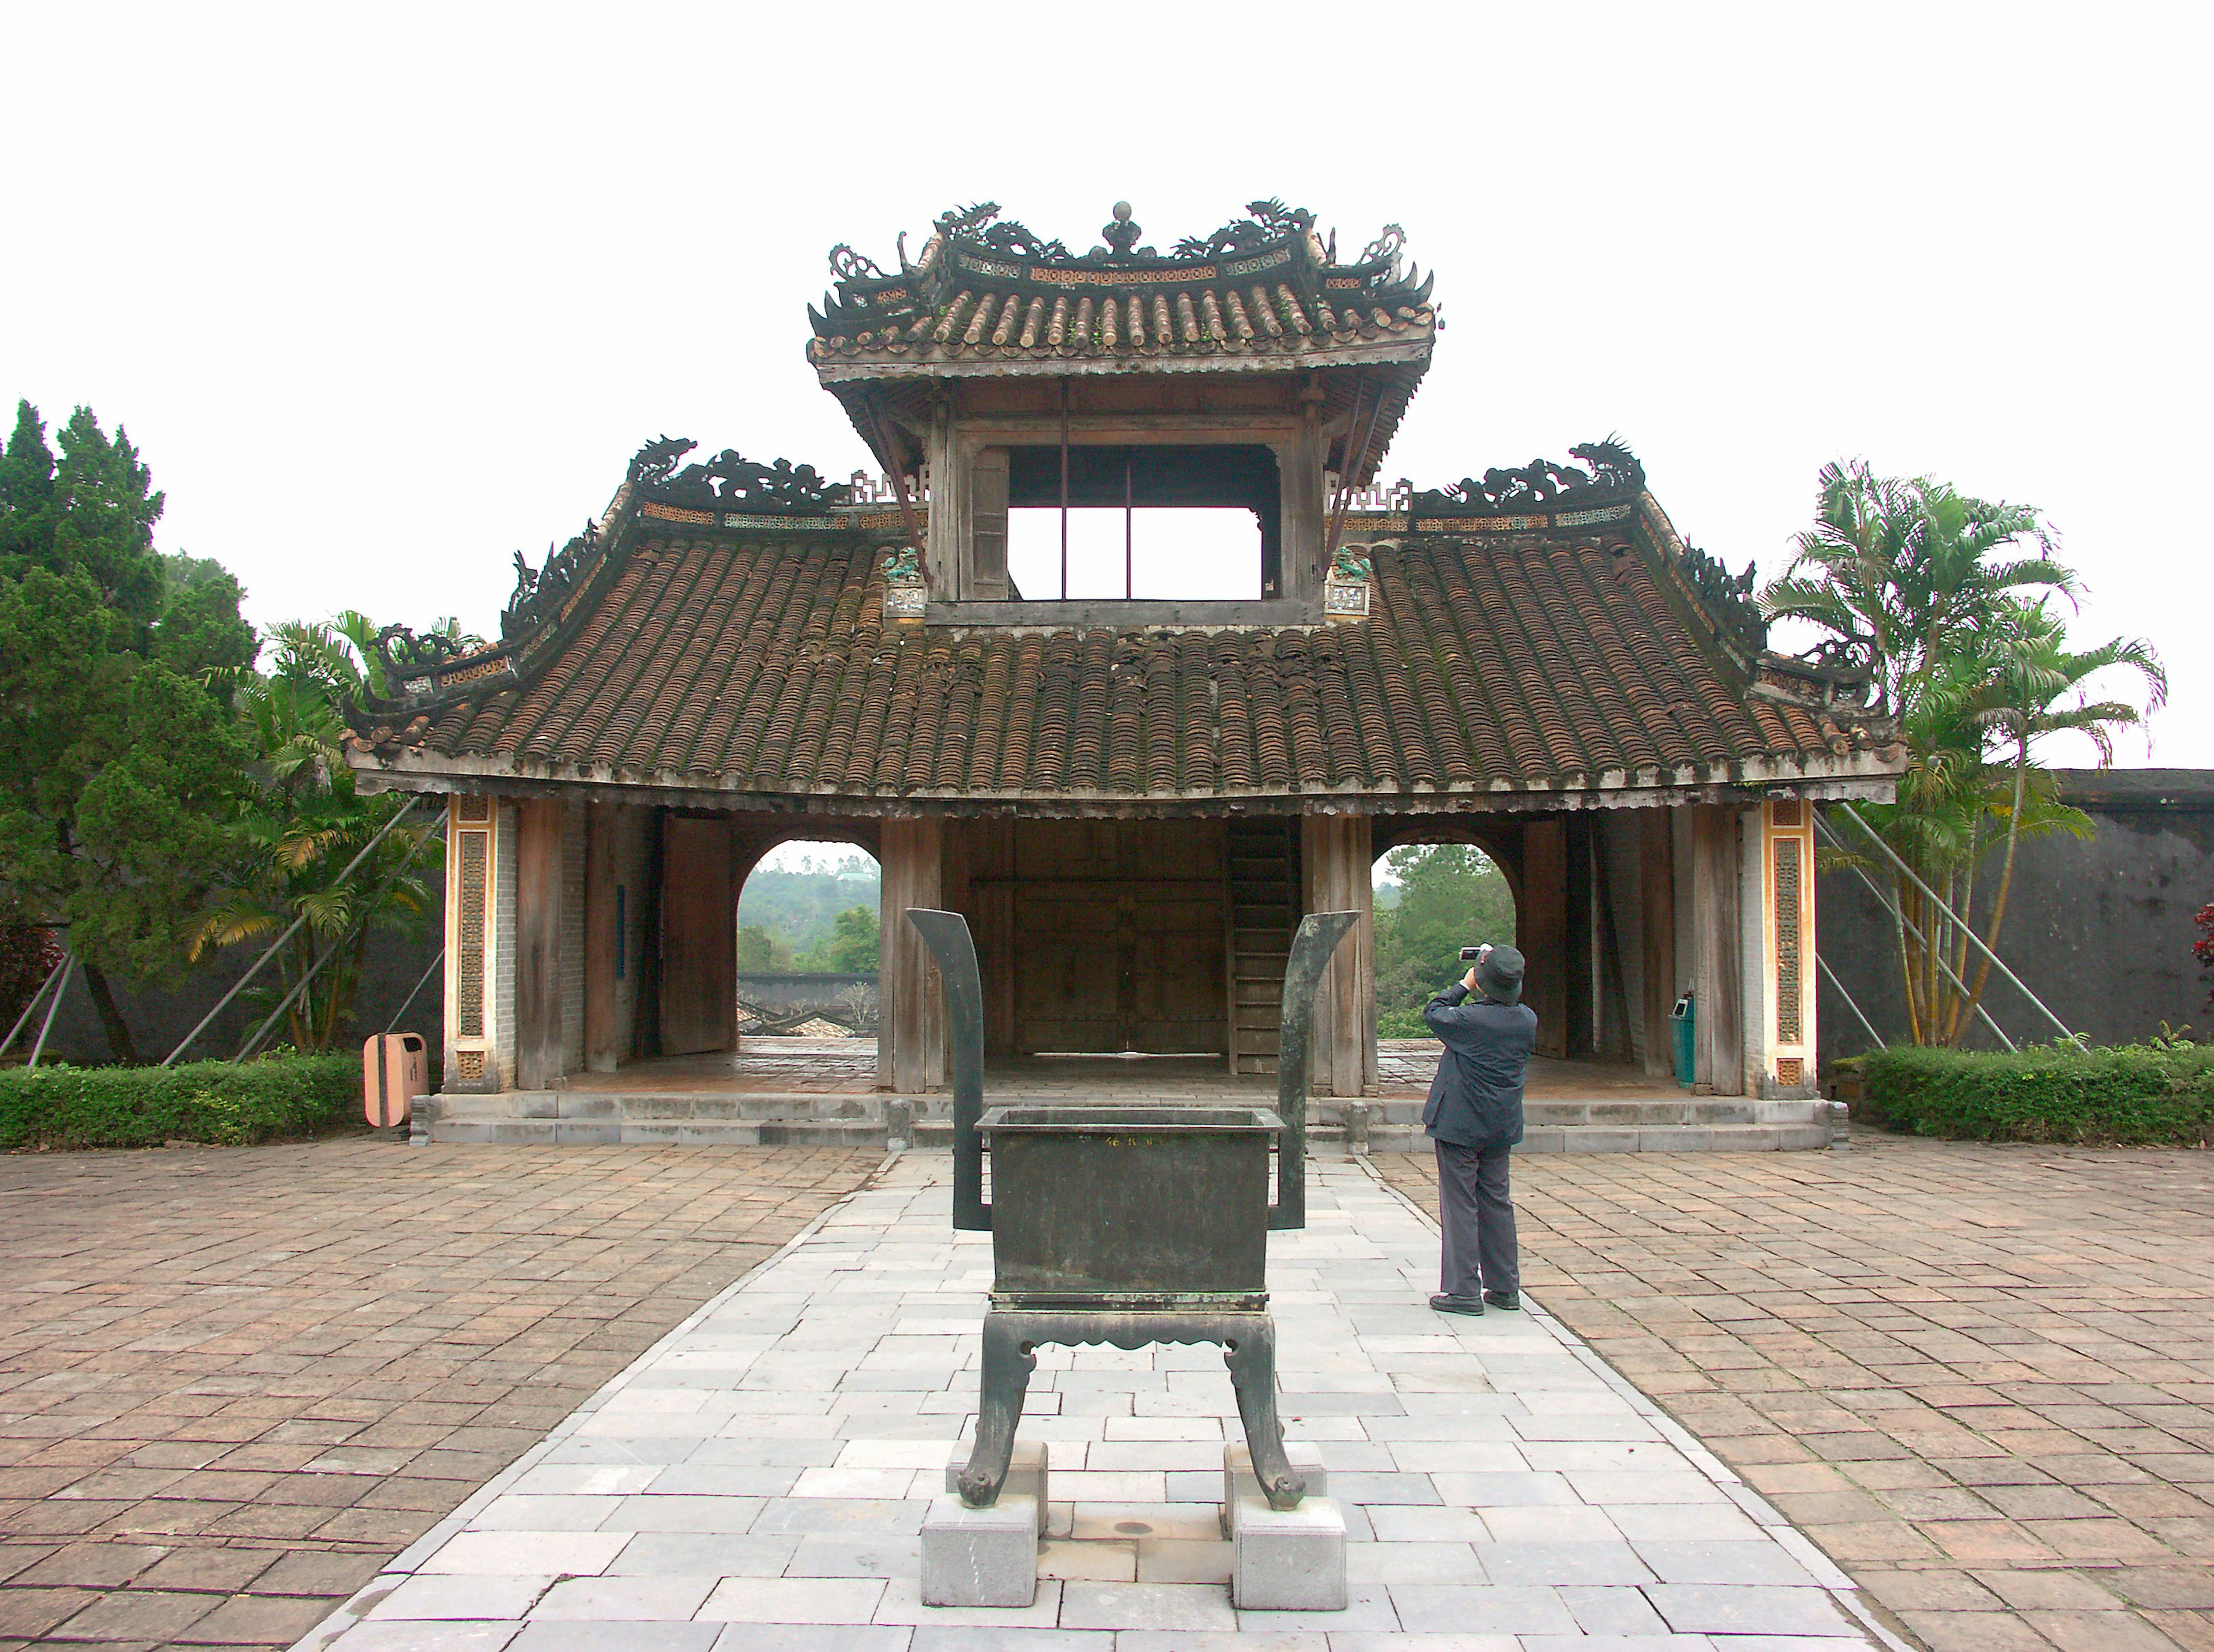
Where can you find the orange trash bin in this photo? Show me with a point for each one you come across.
(394, 1071)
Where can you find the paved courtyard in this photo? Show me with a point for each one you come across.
(236, 1381)
(758, 1480)
(1980, 1378)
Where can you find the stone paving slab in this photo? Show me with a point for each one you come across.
(235, 1381)
(757, 1480)
(1980, 1378)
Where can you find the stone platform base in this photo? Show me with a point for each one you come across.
(584, 1117)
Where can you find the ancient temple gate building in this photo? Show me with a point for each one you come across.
(1131, 799)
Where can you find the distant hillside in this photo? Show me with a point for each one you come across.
(799, 910)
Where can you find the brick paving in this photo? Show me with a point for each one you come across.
(1980, 1378)
(235, 1382)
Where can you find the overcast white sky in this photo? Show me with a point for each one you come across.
(385, 293)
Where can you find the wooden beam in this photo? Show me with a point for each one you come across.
(1719, 1045)
(910, 1019)
(604, 1029)
(1656, 885)
(1541, 925)
(538, 943)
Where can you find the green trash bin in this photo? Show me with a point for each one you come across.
(1680, 1019)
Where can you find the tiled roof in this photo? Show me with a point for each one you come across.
(985, 290)
(752, 664)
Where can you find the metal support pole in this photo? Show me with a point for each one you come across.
(409, 1003)
(1975, 939)
(186, 1042)
(1831, 976)
(24, 1020)
(328, 954)
(1891, 906)
(53, 1008)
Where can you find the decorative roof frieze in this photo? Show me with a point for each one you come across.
(984, 289)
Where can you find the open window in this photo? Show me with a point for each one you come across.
(1196, 521)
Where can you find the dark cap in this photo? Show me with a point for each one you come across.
(1500, 975)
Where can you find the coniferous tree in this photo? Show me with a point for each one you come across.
(121, 768)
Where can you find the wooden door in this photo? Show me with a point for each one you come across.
(1118, 936)
(699, 937)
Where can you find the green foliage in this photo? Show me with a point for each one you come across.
(304, 824)
(2160, 1092)
(1401, 1024)
(1929, 588)
(1451, 896)
(120, 772)
(212, 1102)
(798, 911)
(852, 948)
(760, 952)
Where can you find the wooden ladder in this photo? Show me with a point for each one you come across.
(1265, 909)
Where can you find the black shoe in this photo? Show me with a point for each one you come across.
(1447, 1304)
(1507, 1299)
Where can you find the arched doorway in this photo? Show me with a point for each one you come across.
(809, 943)
(1431, 900)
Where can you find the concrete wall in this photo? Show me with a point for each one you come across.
(157, 1020)
(2101, 929)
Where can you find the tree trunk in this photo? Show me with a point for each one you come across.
(110, 1018)
(2006, 874)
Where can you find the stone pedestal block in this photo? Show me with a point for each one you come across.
(1286, 1559)
(986, 1557)
(1026, 1475)
(1239, 1482)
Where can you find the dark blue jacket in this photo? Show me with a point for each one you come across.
(1476, 1101)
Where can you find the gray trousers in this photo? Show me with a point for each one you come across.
(1477, 1212)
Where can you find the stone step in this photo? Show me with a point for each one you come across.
(801, 1118)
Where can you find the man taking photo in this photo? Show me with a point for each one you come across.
(1474, 1116)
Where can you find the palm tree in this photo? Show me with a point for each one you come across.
(307, 822)
(1926, 586)
(2035, 689)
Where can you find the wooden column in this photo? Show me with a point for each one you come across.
(538, 944)
(1719, 1046)
(911, 1015)
(1579, 953)
(1656, 883)
(1334, 859)
(1541, 930)
(603, 1028)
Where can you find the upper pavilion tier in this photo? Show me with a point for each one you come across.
(1264, 295)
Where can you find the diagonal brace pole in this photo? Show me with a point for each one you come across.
(1975, 939)
(1891, 905)
(239, 987)
(24, 1020)
(326, 955)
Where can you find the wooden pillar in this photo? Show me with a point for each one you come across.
(1336, 861)
(538, 944)
(1541, 930)
(1579, 953)
(911, 1016)
(1656, 883)
(603, 1028)
(1718, 1045)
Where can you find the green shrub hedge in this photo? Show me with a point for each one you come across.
(1401, 1024)
(280, 1096)
(2131, 1094)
